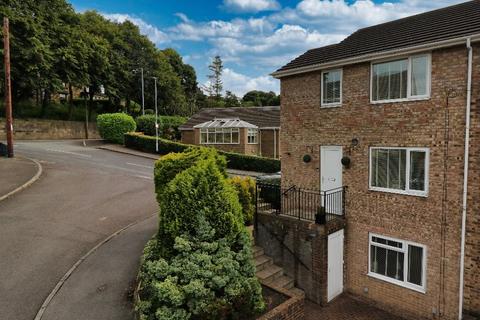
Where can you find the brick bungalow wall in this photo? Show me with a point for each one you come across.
(306, 126)
(270, 144)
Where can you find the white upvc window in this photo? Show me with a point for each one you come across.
(398, 261)
(219, 136)
(252, 136)
(399, 170)
(401, 80)
(331, 88)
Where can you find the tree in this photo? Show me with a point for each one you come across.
(231, 100)
(261, 98)
(216, 84)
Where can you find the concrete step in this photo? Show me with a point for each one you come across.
(270, 273)
(297, 292)
(283, 282)
(257, 251)
(261, 262)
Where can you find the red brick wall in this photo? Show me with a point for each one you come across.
(306, 126)
(188, 136)
(270, 146)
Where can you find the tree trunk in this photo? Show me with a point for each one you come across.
(45, 102)
(127, 105)
(90, 104)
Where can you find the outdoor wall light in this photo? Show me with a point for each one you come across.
(355, 142)
(346, 161)
(307, 158)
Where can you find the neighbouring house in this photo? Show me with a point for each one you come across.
(381, 146)
(252, 130)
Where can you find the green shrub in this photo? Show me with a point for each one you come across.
(146, 124)
(113, 126)
(200, 264)
(234, 160)
(245, 187)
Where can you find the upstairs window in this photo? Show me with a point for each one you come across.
(399, 170)
(405, 79)
(397, 261)
(332, 88)
(252, 136)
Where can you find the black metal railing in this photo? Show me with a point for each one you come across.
(318, 206)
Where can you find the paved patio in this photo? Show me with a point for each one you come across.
(346, 308)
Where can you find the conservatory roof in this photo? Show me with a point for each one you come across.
(225, 123)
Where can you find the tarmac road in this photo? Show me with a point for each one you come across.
(83, 196)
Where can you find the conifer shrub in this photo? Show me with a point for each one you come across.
(200, 263)
(245, 187)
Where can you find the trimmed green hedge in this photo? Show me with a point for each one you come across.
(113, 126)
(234, 160)
(168, 126)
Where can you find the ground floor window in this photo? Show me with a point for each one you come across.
(219, 136)
(397, 261)
(253, 136)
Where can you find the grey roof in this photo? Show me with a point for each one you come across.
(262, 117)
(452, 22)
(226, 123)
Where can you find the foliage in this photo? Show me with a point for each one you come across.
(55, 49)
(215, 78)
(260, 98)
(200, 264)
(234, 160)
(113, 126)
(146, 124)
(231, 100)
(245, 187)
(170, 126)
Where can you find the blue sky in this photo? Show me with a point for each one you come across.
(253, 37)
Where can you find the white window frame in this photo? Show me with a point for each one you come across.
(409, 79)
(255, 135)
(232, 130)
(407, 190)
(404, 249)
(333, 104)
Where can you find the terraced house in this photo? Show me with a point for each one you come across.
(391, 117)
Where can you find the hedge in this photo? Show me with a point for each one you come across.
(200, 264)
(237, 161)
(168, 126)
(113, 126)
(245, 187)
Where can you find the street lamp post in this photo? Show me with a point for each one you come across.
(156, 116)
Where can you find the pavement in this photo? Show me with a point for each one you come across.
(15, 173)
(83, 197)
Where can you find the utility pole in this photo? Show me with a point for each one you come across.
(143, 94)
(156, 116)
(8, 88)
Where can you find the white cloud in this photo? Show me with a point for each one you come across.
(153, 33)
(251, 5)
(240, 84)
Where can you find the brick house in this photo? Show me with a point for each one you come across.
(392, 112)
(252, 130)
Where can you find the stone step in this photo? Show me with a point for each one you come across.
(283, 282)
(257, 251)
(261, 262)
(270, 273)
(297, 292)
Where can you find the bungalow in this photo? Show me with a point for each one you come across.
(253, 130)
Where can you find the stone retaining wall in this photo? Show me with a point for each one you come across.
(41, 129)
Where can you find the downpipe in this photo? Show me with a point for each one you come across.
(465, 177)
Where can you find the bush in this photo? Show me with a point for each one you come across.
(234, 160)
(246, 195)
(146, 124)
(113, 126)
(200, 264)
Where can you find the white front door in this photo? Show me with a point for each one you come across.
(331, 178)
(335, 265)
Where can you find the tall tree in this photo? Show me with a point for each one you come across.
(216, 84)
(231, 100)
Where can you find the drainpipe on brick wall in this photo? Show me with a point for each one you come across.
(275, 143)
(465, 176)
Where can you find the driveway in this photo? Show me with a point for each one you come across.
(83, 196)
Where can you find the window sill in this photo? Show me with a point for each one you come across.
(331, 105)
(422, 194)
(400, 100)
(397, 282)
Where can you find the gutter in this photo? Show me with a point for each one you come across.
(465, 177)
(377, 55)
